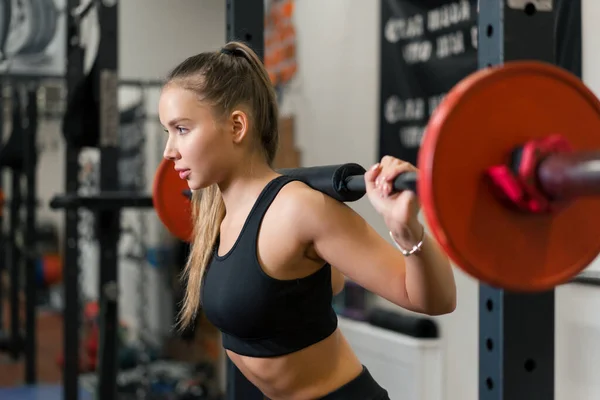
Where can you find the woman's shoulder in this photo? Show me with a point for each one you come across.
(298, 198)
(305, 208)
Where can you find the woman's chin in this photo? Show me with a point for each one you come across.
(194, 185)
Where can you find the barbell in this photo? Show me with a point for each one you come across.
(508, 177)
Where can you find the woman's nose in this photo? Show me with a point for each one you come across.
(171, 153)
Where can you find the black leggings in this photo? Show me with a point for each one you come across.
(363, 387)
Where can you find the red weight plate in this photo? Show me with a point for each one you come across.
(172, 207)
(479, 122)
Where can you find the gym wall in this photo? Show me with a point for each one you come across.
(334, 99)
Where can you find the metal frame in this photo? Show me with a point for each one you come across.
(244, 22)
(589, 278)
(74, 73)
(106, 205)
(30, 159)
(516, 331)
(108, 220)
(3, 242)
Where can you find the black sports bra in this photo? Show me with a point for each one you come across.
(260, 316)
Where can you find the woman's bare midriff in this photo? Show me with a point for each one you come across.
(308, 374)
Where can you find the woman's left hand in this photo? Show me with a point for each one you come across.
(399, 209)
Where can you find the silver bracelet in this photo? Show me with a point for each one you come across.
(415, 249)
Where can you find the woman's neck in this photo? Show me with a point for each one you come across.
(245, 183)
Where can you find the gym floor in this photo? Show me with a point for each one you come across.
(49, 346)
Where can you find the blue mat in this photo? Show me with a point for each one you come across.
(39, 392)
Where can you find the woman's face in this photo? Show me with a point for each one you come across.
(197, 145)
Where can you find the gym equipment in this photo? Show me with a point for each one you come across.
(34, 26)
(107, 212)
(92, 103)
(32, 38)
(133, 160)
(547, 232)
(523, 215)
(48, 269)
(193, 389)
(174, 213)
(19, 155)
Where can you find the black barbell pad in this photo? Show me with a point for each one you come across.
(343, 182)
(329, 179)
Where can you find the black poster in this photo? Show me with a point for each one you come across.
(427, 47)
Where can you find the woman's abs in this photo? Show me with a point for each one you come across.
(308, 374)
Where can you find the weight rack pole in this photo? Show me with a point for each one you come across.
(244, 21)
(30, 236)
(516, 331)
(108, 222)
(74, 73)
(3, 259)
(15, 255)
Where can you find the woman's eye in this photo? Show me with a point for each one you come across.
(181, 129)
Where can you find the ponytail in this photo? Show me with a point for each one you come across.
(208, 211)
(266, 105)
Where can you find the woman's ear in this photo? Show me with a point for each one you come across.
(239, 123)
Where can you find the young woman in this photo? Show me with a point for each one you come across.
(269, 252)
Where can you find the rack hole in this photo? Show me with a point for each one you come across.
(530, 365)
(530, 9)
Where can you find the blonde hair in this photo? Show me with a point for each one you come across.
(225, 79)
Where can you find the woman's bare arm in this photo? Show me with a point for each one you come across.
(423, 282)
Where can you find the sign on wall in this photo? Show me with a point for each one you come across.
(427, 46)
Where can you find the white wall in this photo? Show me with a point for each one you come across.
(155, 35)
(335, 99)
